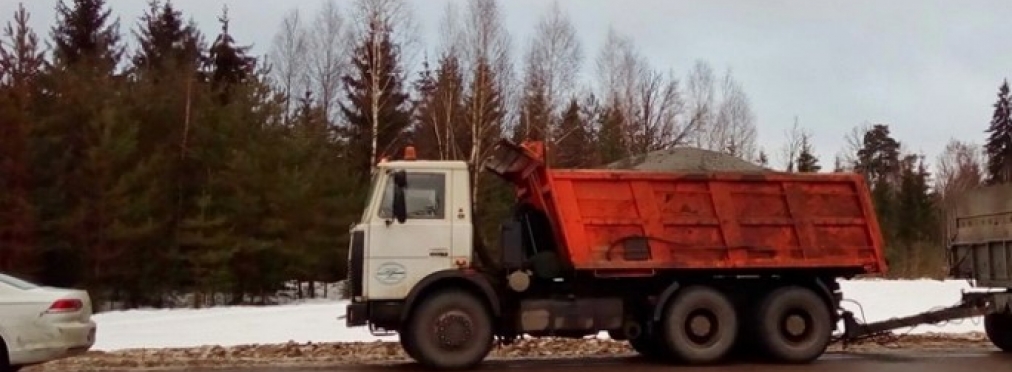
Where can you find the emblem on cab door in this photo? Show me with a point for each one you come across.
(391, 273)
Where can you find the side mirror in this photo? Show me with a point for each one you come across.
(400, 207)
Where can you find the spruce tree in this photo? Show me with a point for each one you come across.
(999, 143)
(611, 142)
(572, 139)
(165, 41)
(21, 64)
(535, 114)
(377, 110)
(82, 82)
(84, 35)
(807, 162)
(439, 111)
(229, 63)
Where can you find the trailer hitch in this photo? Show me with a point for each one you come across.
(972, 305)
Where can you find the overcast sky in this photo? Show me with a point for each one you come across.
(928, 68)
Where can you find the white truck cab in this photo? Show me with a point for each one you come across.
(417, 222)
(410, 264)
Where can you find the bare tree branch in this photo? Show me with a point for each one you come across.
(329, 44)
(287, 55)
(650, 101)
(790, 150)
(854, 142)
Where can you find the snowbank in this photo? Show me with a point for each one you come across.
(318, 321)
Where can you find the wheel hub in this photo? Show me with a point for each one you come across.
(453, 330)
(795, 325)
(701, 327)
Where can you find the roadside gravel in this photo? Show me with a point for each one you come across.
(330, 354)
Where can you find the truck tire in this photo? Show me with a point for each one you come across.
(793, 325)
(408, 344)
(450, 330)
(649, 346)
(700, 326)
(998, 328)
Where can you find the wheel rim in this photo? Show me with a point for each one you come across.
(453, 330)
(702, 327)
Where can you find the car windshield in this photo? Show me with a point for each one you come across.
(17, 283)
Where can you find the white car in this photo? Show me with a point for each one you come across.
(40, 324)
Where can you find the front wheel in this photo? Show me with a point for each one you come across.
(450, 330)
(998, 328)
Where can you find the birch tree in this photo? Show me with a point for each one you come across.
(377, 108)
(487, 49)
(552, 64)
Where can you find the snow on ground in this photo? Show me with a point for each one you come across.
(318, 321)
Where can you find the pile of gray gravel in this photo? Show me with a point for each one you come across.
(683, 159)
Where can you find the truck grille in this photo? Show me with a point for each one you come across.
(356, 263)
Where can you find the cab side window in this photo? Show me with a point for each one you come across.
(424, 196)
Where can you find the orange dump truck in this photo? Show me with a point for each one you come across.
(688, 267)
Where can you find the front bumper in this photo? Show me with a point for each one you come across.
(356, 314)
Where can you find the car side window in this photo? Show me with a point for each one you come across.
(424, 197)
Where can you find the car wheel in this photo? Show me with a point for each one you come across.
(5, 364)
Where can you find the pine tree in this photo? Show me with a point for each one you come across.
(999, 143)
(377, 108)
(878, 160)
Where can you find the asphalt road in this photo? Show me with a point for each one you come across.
(933, 361)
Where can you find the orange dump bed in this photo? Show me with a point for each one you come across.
(638, 221)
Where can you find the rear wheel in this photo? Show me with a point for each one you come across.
(700, 326)
(998, 328)
(449, 330)
(793, 325)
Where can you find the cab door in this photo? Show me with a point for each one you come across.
(399, 255)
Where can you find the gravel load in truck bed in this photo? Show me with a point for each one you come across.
(682, 159)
